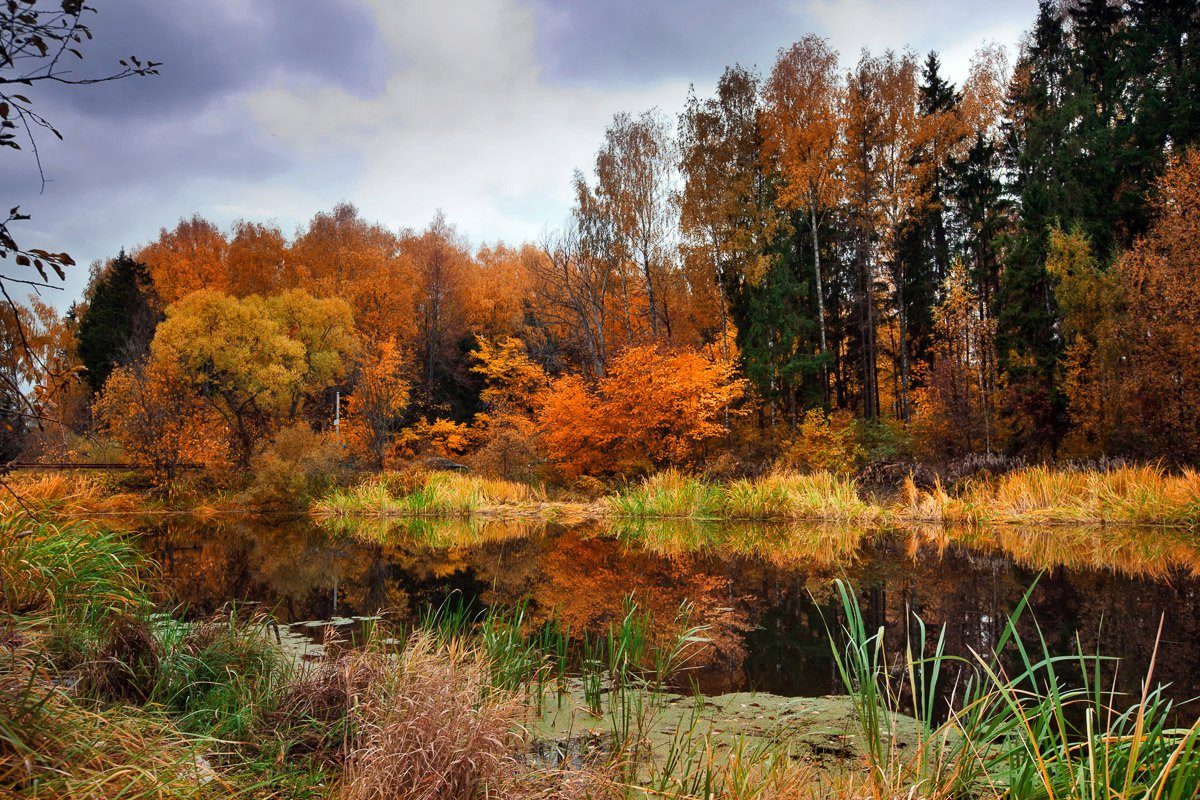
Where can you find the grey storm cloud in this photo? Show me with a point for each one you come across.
(626, 40)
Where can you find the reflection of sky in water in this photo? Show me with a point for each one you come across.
(764, 591)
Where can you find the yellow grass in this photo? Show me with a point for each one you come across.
(1136, 495)
(438, 493)
(64, 494)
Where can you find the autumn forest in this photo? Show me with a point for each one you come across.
(864, 254)
(841, 439)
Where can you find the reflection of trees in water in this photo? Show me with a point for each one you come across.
(761, 589)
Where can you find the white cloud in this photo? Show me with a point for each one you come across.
(955, 30)
(467, 124)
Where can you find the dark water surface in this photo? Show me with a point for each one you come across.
(765, 592)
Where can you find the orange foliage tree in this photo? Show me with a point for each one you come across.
(1162, 331)
(151, 411)
(507, 430)
(379, 399)
(188, 258)
(656, 407)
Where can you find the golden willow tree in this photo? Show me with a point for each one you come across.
(253, 362)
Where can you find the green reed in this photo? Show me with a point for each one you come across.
(1049, 728)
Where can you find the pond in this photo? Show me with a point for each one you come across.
(764, 592)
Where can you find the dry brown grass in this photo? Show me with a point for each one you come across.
(431, 728)
(54, 748)
(63, 494)
(1126, 495)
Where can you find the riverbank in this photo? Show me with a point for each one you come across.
(1139, 495)
(1125, 495)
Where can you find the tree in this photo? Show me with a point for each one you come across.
(863, 187)
(656, 408)
(954, 405)
(903, 186)
(256, 260)
(339, 254)
(803, 126)
(119, 319)
(571, 426)
(374, 409)
(188, 258)
(727, 214)
(325, 329)
(245, 363)
(514, 385)
(1027, 341)
(574, 278)
(442, 262)
(512, 380)
(1089, 302)
(1162, 323)
(151, 410)
(635, 183)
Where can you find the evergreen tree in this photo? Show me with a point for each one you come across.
(979, 217)
(924, 241)
(777, 328)
(1027, 343)
(119, 320)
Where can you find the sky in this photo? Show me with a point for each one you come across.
(272, 110)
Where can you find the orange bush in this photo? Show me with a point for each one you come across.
(656, 408)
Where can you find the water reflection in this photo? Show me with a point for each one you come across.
(764, 590)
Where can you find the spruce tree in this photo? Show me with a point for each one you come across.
(1035, 151)
(118, 323)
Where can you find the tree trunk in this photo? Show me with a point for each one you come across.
(820, 288)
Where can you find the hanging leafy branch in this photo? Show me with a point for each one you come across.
(38, 41)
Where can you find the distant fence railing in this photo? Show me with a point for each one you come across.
(62, 465)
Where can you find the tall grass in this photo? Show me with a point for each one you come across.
(669, 494)
(69, 581)
(439, 493)
(429, 730)
(63, 495)
(786, 495)
(1050, 727)
(1124, 495)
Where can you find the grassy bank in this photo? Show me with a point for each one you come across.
(1127, 495)
(441, 494)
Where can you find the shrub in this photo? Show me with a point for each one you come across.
(509, 447)
(299, 463)
(825, 442)
(431, 729)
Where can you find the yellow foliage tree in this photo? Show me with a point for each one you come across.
(239, 357)
(1089, 303)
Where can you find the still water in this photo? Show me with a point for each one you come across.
(765, 592)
